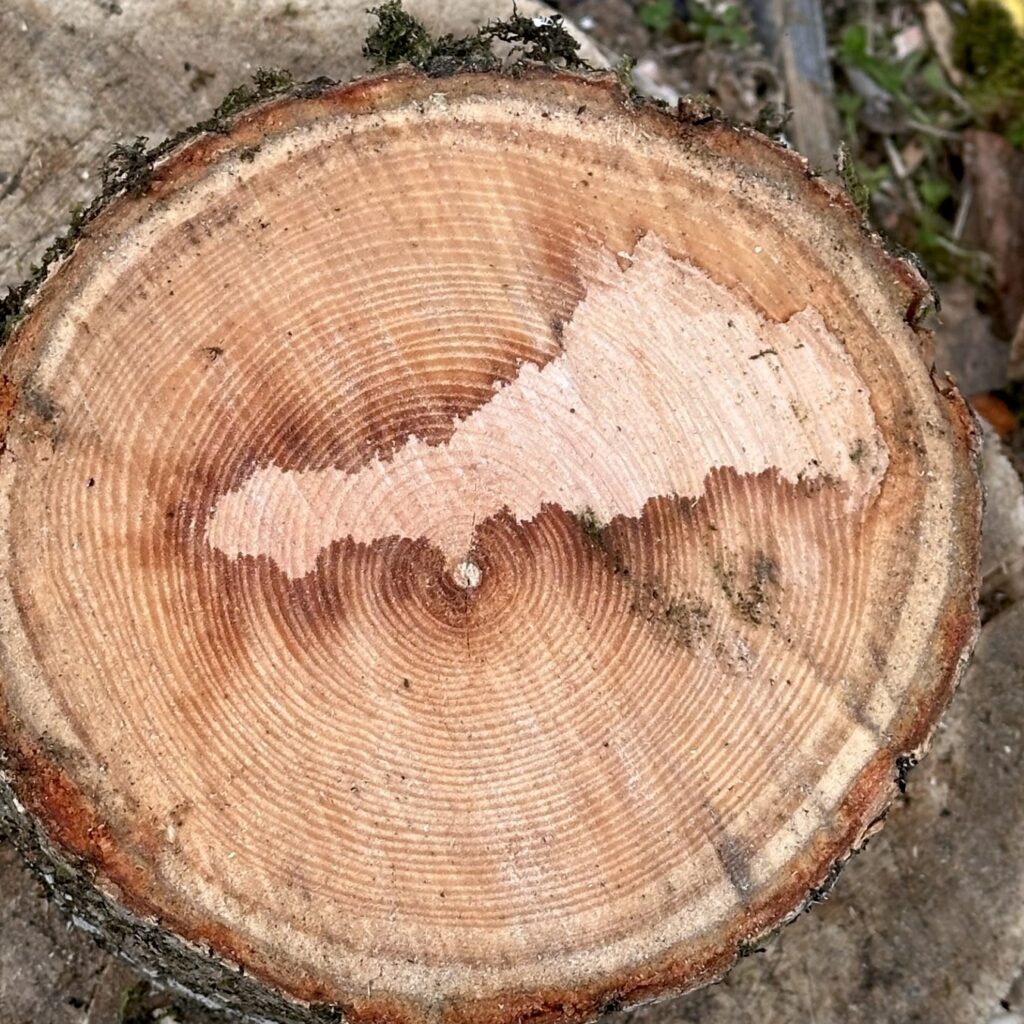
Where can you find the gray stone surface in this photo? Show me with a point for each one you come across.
(926, 926)
(50, 972)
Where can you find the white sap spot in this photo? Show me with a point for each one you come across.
(467, 575)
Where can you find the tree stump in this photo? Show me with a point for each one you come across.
(474, 548)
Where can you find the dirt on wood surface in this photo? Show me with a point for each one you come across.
(928, 924)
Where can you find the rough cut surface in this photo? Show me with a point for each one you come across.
(392, 596)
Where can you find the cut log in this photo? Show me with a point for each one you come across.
(472, 548)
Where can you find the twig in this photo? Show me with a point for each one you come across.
(900, 170)
(938, 133)
(869, 27)
(961, 213)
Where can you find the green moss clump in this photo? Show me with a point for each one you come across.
(546, 40)
(624, 73)
(987, 42)
(991, 51)
(449, 55)
(10, 313)
(399, 38)
(852, 182)
(266, 82)
(128, 167)
(269, 81)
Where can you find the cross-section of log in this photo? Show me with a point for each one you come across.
(472, 549)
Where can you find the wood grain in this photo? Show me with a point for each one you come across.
(476, 547)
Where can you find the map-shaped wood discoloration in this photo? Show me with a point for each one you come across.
(663, 377)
